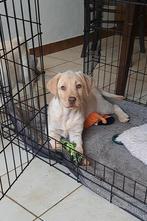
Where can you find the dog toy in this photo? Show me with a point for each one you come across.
(95, 118)
(114, 139)
(70, 147)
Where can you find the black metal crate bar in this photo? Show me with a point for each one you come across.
(20, 33)
(114, 48)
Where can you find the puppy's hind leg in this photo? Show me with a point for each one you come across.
(122, 116)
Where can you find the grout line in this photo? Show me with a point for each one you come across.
(61, 59)
(61, 200)
(64, 59)
(67, 68)
(11, 170)
(50, 55)
(50, 68)
(56, 65)
(36, 219)
(39, 216)
(22, 207)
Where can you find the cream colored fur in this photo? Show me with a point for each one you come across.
(74, 97)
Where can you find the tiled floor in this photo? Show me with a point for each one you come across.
(44, 193)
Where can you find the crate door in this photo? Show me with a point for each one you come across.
(22, 89)
(100, 22)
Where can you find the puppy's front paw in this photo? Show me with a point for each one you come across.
(55, 145)
(124, 118)
(84, 160)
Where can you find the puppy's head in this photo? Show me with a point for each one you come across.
(70, 87)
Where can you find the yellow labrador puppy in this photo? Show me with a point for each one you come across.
(74, 98)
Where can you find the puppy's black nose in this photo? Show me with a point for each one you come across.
(72, 100)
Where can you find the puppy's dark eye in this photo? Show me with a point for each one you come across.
(78, 86)
(63, 88)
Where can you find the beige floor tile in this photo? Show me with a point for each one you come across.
(112, 69)
(41, 186)
(142, 100)
(109, 55)
(104, 78)
(110, 88)
(12, 157)
(139, 76)
(111, 49)
(67, 55)
(10, 211)
(77, 49)
(111, 42)
(84, 205)
(50, 61)
(139, 62)
(67, 66)
(49, 73)
(136, 89)
(38, 219)
(78, 61)
(10, 178)
(136, 66)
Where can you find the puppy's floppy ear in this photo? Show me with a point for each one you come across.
(52, 84)
(88, 83)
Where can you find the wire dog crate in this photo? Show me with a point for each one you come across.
(24, 131)
(20, 30)
(114, 53)
(115, 38)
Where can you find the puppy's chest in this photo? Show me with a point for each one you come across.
(66, 121)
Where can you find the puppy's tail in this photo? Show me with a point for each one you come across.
(113, 96)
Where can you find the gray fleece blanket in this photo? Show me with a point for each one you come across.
(126, 186)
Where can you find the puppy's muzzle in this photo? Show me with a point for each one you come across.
(72, 100)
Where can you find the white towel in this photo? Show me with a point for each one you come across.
(135, 140)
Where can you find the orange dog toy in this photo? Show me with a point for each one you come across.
(94, 119)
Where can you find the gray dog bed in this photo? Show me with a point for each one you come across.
(102, 149)
(113, 173)
(99, 146)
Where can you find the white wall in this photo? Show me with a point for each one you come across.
(61, 19)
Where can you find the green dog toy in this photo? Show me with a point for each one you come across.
(70, 147)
